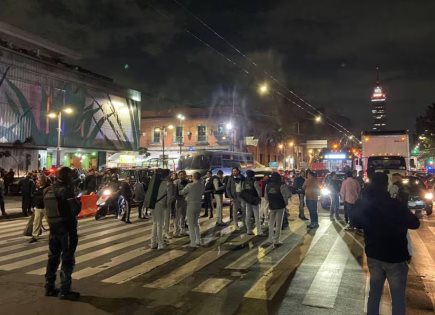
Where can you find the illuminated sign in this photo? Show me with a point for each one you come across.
(127, 159)
(335, 156)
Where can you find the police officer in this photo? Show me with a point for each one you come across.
(180, 205)
(61, 211)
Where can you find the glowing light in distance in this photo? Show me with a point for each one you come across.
(52, 115)
(263, 89)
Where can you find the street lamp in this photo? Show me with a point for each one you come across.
(229, 126)
(180, 137)
(162, 131)
(263, 89)
(66, 110)
(318, 119)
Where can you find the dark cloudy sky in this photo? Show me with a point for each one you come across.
(326, 51)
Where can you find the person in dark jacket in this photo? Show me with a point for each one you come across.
(63, 237)
(208, 195)
(334, 187)
(2, 198)
(90, 183)
(385, 222)
(298, 183)
(38, 206)
(233, 188)
(27, 190)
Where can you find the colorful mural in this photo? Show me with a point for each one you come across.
(100, 120)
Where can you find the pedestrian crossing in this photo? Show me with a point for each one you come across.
(111, 252)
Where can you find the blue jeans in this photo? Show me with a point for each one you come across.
(312, 209)
(396, 274)
(348, 213)
(335, 204)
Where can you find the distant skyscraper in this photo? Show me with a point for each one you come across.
(378, 106)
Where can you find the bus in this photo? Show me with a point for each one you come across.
(215, 160)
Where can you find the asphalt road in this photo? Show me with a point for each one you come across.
(321, 272)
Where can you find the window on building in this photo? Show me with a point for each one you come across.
(202, 133)
(156, 135)
(178, 134)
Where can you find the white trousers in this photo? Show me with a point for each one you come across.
(192, 214)
(157, 231)
(166, 220)
(37, 221)
(238, 203)
(264, 209)
(219, 207)
(180, 216)
(252, 210)
(275, 224)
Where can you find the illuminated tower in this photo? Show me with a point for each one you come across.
(378, 106)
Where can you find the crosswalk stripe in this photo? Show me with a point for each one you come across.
(80, 231)
(186, 270)
(41, 258)
(20, 225)
(115, 261)
(212, 285)
(43, 248)
(328, 276)
(145, 267)
(319, 233)
(16, 222)
(97, 254)
(248, 259)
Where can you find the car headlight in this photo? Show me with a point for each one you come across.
(325, 192)
(428, 196)
(107, 192)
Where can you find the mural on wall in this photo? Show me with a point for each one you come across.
(99, 120)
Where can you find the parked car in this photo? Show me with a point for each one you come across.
(15, 187)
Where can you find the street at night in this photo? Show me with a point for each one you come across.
(217, 157)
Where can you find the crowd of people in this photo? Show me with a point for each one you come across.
(375, 208)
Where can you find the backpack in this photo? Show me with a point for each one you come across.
(249, 194)
(152, 191)
(139, 191)
(51, 203)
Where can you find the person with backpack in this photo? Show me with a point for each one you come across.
(193, 192)
(180, 205)
(208, 195)
(218, 191)
(159, 192)
(62, 208)
(277, 194)
(264, 205)
(38, 205)
(251, 196)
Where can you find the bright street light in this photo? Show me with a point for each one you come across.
(291, 143)
(263, 89)
(229, 126)
(52, 115)
(281, 146)
(170, 127)
(181, 117)
(318, 119)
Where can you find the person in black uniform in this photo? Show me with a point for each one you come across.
(62, 219)
(208, 195)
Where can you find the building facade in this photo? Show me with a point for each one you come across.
(96, 115)
(378, 101)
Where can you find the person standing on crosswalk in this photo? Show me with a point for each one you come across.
(277, 194)
(180, 205)
(219, 189)
(168, 209)
(38, 206)
(312, 190)
(161, 208)
(251, 196)
(61, 212)
(234, 188)
(193, 192)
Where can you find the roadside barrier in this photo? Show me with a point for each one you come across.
(89, 205)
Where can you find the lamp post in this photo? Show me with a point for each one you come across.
(180, 138)
(66, 110)
(229, 126)
(162, 131)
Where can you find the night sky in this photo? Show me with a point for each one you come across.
(326, 51)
